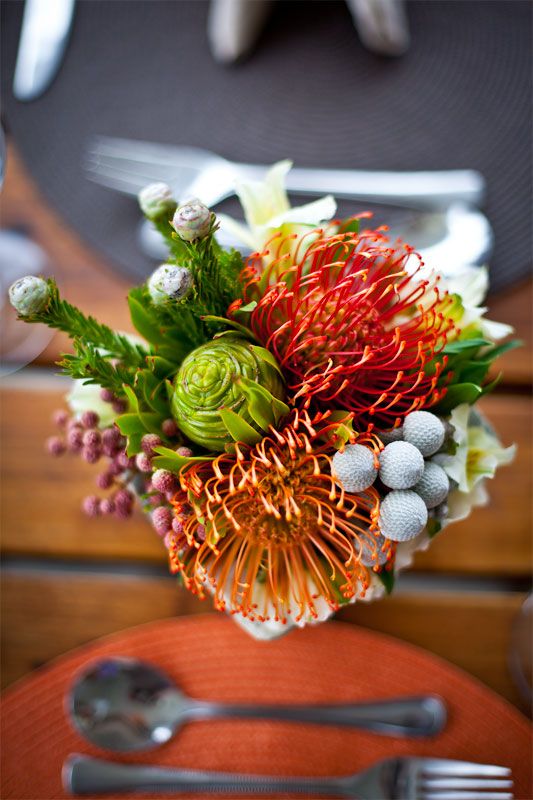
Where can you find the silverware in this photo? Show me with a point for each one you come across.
(382, 25)
(43, 39)
(126, 166)
(124, 704)
(233, 27)
(447, 241)
(392, 779)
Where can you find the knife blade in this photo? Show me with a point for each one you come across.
(45, 30)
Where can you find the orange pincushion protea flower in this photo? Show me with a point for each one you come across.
(349, 325)
(279, 533)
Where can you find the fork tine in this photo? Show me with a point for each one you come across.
(121, 183)
(459, 795)
(121, 150)
(443, 766)
(145, 173)
(467, 783)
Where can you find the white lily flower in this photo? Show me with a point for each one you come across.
(471, 285)
(86, 397)
(478, 455)
(267, 210)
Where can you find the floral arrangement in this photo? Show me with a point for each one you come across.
(296, 423)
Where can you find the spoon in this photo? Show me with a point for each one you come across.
(123, 705)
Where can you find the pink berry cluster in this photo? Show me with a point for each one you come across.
(83, 436)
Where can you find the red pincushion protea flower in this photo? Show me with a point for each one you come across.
(271, 532)
(349, 325)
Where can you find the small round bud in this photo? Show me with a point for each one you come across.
(91, 438)
(156, 499)
(60, 418)
(184, 452)
(164, 481)
(74, 440)
(434, 486)
(143, 463)
(123, 512)
(169, 428)
(119, 406)
(402, 516)
(374, 553)
(125, 461)
(89, 419)
(392, 435)
(55, 446)
(177, 526)
(123, 498)
(425, 431)
(169, 282)
(192, 220)
(107, 395)
(91, 505)
(104, 480)
(400, 465)
(91, 454)
(148, 442)
(29, 295)
(162, 520)
(156, 201)
(354, 468)
(107, 505)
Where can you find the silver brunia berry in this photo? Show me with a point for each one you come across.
(29, 295)
(354, 468)
(425, 431)
(169, 282)
(400, 465)
(402, 516)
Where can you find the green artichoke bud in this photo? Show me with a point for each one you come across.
(29, 295)
(227, 390)
(156, 201)
(192, 220)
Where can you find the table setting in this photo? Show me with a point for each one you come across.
(265, 370)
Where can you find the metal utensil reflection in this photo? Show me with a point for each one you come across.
(126, 705)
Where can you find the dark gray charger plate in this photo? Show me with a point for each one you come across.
(461, 97)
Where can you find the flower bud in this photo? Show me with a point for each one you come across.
(192, 220)
(29, 295)
(169, 282)
(156, 201)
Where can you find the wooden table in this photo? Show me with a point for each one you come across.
(67, 579)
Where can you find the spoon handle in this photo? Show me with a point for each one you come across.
(411, 716)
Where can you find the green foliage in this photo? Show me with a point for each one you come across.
(65, 317)
(387, 578)
(91, 366)
(466, 373)
(433, 527)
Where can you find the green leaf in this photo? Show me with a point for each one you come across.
(129, 424)
(238, 428)
(459, 345)
(245, 332)
(132, 398)
(433, 527)
(456, 395)
(144, 322)
(249, 307)
(169, 459)
(263, 354)
(387, 578)
(134, 444)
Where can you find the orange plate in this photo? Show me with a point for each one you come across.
(211, 658)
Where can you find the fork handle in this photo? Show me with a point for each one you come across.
(87, 776)
(431, 189)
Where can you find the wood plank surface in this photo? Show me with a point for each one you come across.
(50, 613)
(41, 499)
(99, 289)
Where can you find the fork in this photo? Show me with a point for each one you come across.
(127, 166)
(392, 779)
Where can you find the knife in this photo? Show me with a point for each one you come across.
(44, 35)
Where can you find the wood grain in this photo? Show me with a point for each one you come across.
(51, 613)
(41, 499)
(88, 281)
